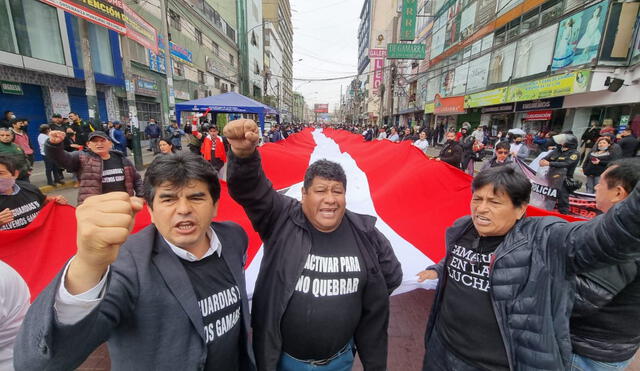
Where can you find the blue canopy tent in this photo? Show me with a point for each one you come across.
(231, 102)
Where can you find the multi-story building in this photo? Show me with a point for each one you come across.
(536, 65)
(256, 48)
(278, 55)
(298, 112)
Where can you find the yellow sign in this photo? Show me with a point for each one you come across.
(554, 86)
(429, 107)
(486, 98)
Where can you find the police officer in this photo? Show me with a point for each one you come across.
(565, 157)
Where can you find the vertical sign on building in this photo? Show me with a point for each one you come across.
(377, 57)
(408, 25)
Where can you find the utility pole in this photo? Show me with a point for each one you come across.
(89, 78)
(167, 54)
(131, 102)
(243, 45)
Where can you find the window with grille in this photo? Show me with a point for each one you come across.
(231, 59)
(201, 77)
(216, 83)
(174, 20)
(198, 36)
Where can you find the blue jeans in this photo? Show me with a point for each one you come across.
(580, 363)
(343, 361)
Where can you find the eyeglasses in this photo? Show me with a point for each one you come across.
(502, 152)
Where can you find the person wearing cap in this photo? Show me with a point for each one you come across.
(57, 123)
(564, 157)
(99, 168)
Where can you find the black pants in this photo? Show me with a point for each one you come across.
(439, 358)
(563, 199)
(51, 170)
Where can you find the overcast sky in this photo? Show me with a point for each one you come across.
(325, 38)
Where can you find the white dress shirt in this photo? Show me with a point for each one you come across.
(14, 302)
(70, 309)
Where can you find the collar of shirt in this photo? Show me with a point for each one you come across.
(214, 246)
(15, 190)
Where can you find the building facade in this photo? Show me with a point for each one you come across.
(278, 55)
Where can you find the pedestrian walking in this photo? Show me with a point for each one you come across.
(153, 133)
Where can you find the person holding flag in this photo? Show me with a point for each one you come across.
(325, 279)
(506, 285)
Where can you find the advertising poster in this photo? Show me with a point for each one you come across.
(460, 79)
(579, 37)
(467, 20)
(502, 64)
(478, 71)
(534, 52)
(485, 12)
(437, 42)
(554, 86)
(105, 13)
(140, 30)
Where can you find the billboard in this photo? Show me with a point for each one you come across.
(579, 37)
(408, 23)
(321, 108)
(406, 51)
(106, 13)
(140, 30)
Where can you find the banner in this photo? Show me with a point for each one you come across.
(554, 86)
(579, 37)
(106, 13)
(538, 115)
(321, 108)
(378, 74)
(408, 21)
(376, 186)
(486, 98)
(140, 30)
(449, 105)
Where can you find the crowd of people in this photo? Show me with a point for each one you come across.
(513, 292)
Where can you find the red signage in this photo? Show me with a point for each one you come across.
(377, 53)
(538, 115)
(378, 67)
(140, 30)
(449, 105)
(106, 13)
(321, 108)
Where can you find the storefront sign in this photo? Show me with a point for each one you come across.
(377, 53)
(106, 13)
(183, 54)
(147, 87)
(449, 105)
(429, 107)
(486, 98)
(378, 66)
(503, 108)
(408, 22)
(321, 108)
(140, 30)
(554, 86)
(540, 104)
(59, 100)
(184, 95)
(538, 115)
(406, 51)
(9, 87)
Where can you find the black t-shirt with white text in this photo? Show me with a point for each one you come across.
(219, 300)
(25, 205)
(324, 310)
(113, 175)
(467, 321)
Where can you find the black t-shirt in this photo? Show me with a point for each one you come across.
(219, 300)
(113, 175)
(467, 321)
(325, 307)
(24, 206)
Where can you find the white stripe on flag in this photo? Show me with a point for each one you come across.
(359, 201)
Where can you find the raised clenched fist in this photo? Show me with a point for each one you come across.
(104, 223)
(56, 136)
(243, 136)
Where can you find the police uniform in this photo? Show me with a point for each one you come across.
(565, 160)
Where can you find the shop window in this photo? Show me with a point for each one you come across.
(32, 29)
(513, 29)
(174, 20)
(198, 34)
(500, 36)
(550, 10)
(101, 58)
(530, 21)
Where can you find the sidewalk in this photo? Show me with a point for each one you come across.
(39, 179)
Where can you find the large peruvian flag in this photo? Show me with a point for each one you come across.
(413, 197)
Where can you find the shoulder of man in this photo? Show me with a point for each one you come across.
(361, 222)
(28, 187)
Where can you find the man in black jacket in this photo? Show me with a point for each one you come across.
(451, 153)
(170, 297)
(565, 157)
(506, 285)
(605, 323)
(628, 143)
(326, 274)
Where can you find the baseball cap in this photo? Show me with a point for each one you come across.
(100, 134)
(56, 116)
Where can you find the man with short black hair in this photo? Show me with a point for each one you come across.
(628, 143)
(506, 285)
(171, 297)
(6, 119)
(81, 127)
(326, 274)
(605, 327)
(451, 152)
(9, 148)
(153, 132)
(212, 148)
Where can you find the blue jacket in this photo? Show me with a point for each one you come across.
(120, 140)
(152, 131)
